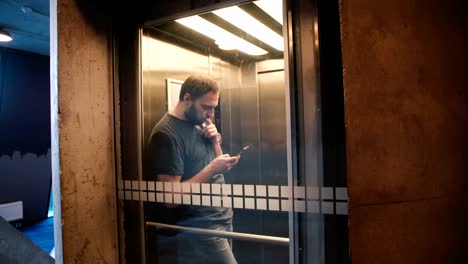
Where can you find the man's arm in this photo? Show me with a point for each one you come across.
(217, 148)
(221, 164)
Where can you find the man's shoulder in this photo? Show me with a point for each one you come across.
(162, 127)
(167, 127)
(162, 123)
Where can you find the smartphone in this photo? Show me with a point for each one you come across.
(244, 149)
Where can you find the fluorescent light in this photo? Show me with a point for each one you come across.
(224, 39)
(249, 24)
(274, 8)
(5, 36)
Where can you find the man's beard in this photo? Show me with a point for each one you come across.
(191, 115)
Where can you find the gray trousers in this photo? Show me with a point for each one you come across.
(193, 249)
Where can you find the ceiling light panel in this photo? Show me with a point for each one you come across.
(249, 24)
(274, 8)
(224, 39)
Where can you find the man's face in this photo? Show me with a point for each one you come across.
(202, 108)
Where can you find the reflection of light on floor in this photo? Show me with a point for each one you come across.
(41, 233)
(50, 213)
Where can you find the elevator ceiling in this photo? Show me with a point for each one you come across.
(187, 38)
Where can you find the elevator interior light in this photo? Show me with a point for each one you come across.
(249, 24)
(224, 39)
(274, 8)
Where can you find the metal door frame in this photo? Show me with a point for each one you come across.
(297, 122)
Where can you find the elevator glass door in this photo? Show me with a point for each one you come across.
(257, 212)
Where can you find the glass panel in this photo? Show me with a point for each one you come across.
(274, 205)
(241, 48)
(265, 202)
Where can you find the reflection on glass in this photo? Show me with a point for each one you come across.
(215, 199)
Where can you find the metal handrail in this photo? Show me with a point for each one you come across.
(225, 234)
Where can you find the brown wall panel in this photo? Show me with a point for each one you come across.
(423, 231)
(405, 99)
(406, 116)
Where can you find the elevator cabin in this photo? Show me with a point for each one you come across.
(264, 56)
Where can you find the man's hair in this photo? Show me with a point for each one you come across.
(198, 85)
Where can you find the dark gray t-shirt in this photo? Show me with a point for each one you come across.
(178, 149)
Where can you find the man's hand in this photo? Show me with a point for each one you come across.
(223, 164)
(210, 131)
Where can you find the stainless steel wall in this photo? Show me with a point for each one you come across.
(273, 158)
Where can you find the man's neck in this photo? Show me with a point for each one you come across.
(178, 111)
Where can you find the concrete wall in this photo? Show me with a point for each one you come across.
(406, 115)
(86, 132)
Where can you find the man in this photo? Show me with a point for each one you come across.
(185, 147)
